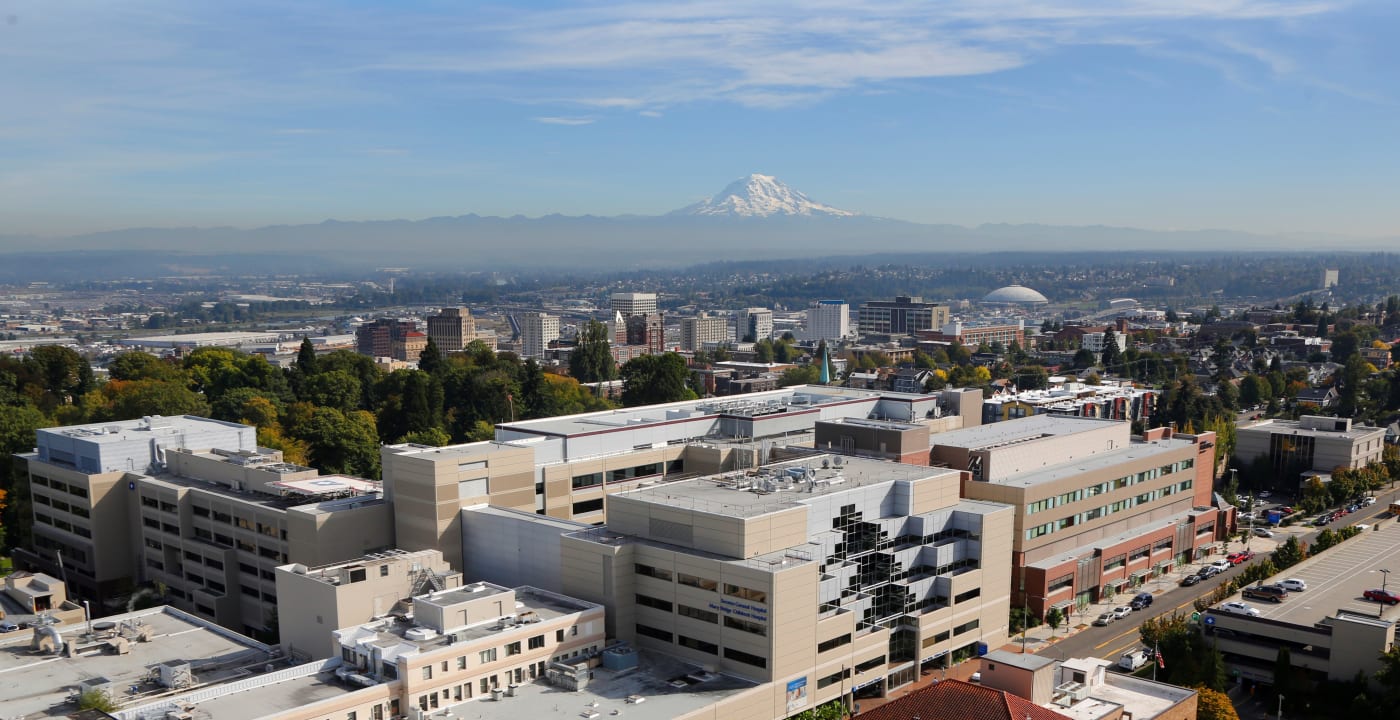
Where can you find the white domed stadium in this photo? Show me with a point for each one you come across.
(1014, 295)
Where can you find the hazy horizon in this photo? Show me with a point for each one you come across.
(1260, 116)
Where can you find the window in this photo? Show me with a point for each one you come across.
(149, 502)
(966, 627)
(1115, 562)
(695, 613)
(1061, 583)
(589, 480)
(833, 643)
(559, 636)
(487, 656)
(200, 511)
(695, 581)
(745, 625)
(461, 662)
(536, 642)
(588, 506)
(651, 632)
(650, 571)
(701, 645)
(744, 593)
(383, 571)
(651, 602)
(965, 596)
(870, 664)
(169, 507)
(834, 678)
(471, 488)
(746, 658)
(513, 648)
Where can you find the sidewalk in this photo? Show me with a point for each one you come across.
(1041, 636)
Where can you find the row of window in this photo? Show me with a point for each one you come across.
(738, 591)
(594, 479)
(59, 486)
(78, 510)
(64, 525)
(1099, 512)
(269, 530)
(702, 646)
(1107, 486)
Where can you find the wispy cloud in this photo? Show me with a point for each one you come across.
(556, 120)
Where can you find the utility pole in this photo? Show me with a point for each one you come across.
(1280, 708)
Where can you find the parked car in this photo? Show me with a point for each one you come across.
(1239, 557)
(1222, 565)
(1134, 659)
(1263, 532)
(1272, 593)
(1383, 596)
(1239, 608)
(7, 626)
(1105, 619)
(1293, 585)
(1353, 508)
(1368, 501)
(1190, 580)
(1287, 510)
(1265, 493)
(1141, 600)
(1122, 611)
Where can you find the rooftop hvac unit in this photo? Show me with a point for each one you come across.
(175, 674)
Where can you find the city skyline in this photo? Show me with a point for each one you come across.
(1256, 116)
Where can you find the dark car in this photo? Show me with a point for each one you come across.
(1190, 580)
(1272, 593)
(1384, 596)
(1141, 600)
(1207, 571)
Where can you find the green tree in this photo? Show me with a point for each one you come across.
(97, 700)
(430, 360)
(763, 351)
(1054, 619)
(306, 357)
(138, 398)
(64, 374)
(800, 375)
(1112, 355)
(652, 379)
(591, 359)
(341, 442)
(334, 389)
(137, 365)
(1290, 553)
(1083, 359)
(18, 423)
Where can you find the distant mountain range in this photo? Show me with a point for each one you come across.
(754, 218)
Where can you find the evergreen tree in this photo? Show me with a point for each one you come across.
(651, 379)
(306, 357)
(591, 360)
(430, 361)
(1112, 355)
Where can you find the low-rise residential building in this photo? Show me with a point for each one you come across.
(1083, 689)
(1067, 397)
(1097, 509)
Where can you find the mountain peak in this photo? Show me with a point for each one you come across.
(761, 196)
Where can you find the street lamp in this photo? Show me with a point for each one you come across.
(1280, 707)
(1385, 575)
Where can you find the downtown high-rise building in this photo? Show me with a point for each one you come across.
(452, 329)
(697, 332)
(633, 303)
(828, 320)
(537, 331)
(754, 324)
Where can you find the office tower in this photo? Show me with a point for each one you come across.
(904, 315)
(629, 303)
(754, 324)
(828, 320)
(452, 329)
(537, 331)
(647, 330)
(377, 338)
(697, 331)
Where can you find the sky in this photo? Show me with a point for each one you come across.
(1260, 115)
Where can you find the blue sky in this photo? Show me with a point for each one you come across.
(1263, 115)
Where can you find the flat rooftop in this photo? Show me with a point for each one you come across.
(38, 685)
(119, 431)
(546, 605)
(330, 502)
(1337, 578)
(750, 493)
(1135, 450)
(796, 398)
(1011, 431)
(1357, 432)
(607, 694)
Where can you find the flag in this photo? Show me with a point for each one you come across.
(1160, 663)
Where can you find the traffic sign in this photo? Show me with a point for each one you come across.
(1210, 619)
(1195, 616)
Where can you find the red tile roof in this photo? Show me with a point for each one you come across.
(958, 700)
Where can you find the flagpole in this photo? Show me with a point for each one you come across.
(1156, 660)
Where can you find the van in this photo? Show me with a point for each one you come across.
(1133, 659)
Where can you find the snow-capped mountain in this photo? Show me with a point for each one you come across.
(760, 196)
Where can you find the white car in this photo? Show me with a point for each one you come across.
(1122, 611)
(1222, 565)
(1263, 532)
(1239, 608)
(1293, 585)
(1368, 501)
(1265, 493)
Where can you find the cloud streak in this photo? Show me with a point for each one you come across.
(572, 121)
